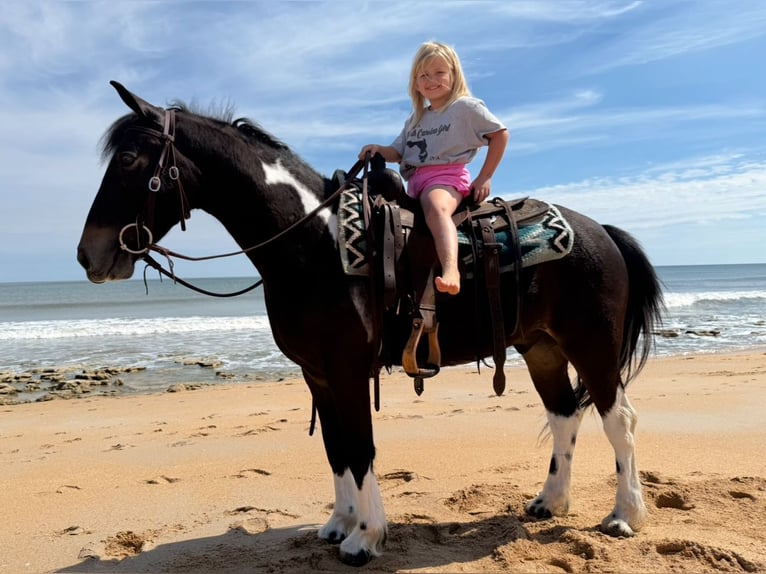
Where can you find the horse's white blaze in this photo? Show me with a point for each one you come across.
(276, 174)
(555, 494)
(369, 534)
(620, 426)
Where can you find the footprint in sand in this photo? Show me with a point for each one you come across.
(578, 544)
(649, 477)
(718, 559)
(248, 472)
(396, 478)
(126, 544)
(478, 499)
(119, 446)
(255, 509)
(73, 531)
(738, 494)
(265, 428)
(162, 480)
(241, 510)
(251, 526)
(67, 488)
(754, 484)
(400, 475)
(203, 431)
(676, 499)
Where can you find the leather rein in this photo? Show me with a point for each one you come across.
(167, 163)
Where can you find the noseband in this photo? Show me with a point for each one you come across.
(167, 157)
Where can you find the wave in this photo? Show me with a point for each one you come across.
(687, 299)
(117, 327)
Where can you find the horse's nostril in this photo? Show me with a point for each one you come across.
(82, 258)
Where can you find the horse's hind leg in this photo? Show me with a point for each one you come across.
(629, 511)
(601, 376)
(548, 369)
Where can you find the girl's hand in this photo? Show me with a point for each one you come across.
(389, 153)
(372, 149)
(480, 188)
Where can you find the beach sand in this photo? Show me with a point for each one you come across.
(226, 478)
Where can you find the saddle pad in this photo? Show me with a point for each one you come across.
(546, 239)
(352, 239)
(549, 238)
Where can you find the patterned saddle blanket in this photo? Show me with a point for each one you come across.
(543, 238)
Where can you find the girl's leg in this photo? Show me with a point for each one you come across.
(439, 203)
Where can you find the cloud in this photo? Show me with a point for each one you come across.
(702, 190)
(675, 31)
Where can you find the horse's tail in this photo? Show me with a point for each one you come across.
(645, 308)
(645, 304)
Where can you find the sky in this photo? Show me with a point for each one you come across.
(646, 115)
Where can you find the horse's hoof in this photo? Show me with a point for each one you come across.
(335, 537)
(359, 559)
(538, 509)
(616, 528)
(540, 512)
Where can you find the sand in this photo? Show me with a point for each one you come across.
(226, 478)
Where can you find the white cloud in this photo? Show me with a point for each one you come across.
(675, 31)
(697, 191)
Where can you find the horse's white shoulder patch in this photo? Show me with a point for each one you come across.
(276, 173)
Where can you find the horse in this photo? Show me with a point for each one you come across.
(594, 309)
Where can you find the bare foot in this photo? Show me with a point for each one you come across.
(448, 284)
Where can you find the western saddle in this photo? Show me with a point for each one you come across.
(403, 263)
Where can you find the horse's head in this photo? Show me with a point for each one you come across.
(141, 195)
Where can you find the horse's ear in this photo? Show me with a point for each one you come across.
(141, 107)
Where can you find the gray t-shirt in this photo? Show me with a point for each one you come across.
(451, 135)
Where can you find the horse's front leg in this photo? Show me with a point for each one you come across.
(358, 521)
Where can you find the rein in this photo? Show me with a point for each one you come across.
(155, 183)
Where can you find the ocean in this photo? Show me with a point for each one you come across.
(78, 326)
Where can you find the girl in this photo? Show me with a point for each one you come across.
(437, 142)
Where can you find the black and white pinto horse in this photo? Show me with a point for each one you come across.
(594, 309)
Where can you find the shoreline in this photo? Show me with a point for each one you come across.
(226, 479)
(42, 384)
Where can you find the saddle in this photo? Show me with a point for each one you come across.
(388, 241)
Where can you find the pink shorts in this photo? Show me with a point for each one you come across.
(454, 175)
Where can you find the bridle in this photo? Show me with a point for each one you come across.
(167, 157)
(167, 163)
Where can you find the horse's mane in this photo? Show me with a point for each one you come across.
(225, 117)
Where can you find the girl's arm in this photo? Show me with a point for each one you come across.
(496, 148)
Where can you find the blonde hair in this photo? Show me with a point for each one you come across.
(426, 52)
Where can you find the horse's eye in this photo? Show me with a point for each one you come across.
(127, 158)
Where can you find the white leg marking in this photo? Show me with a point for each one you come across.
(554, 498)
(276, 174)
(629, 510)
(345, 514)
(369, 535)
